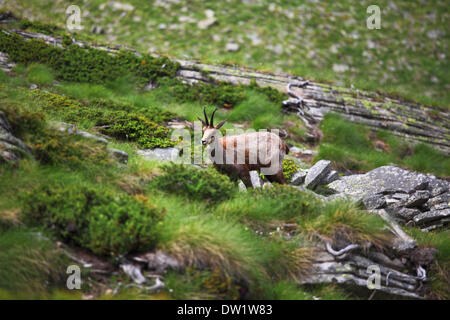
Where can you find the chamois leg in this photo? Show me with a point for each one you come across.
(244, 175)
(278, 177)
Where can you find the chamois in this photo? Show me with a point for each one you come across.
(237, 155)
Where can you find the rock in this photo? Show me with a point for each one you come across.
(72, 129)
(4, 123)
(90, 136)
(440, 206)
(162, 26)
(242, 187)
(392, 202)
(161, 154)
(97, 30)
(255, 179)
(438, 191)
(406, 213)
(118, 6)
(232, 47)
(119, 155)
(437, 186)
(66, 127)
(417, 199)
(442, 198)
(400, 196)
(11, 148)
(209, 21)
(317, 173)
(375, 201)
(159, 261)
(340, 67)
(385, 180)
(5, 63)
(267, 184)
(431, 215)
(332, 176)
(134, 272)
(298, 178)
(294, 150)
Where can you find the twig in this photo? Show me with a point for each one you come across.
(342, 251)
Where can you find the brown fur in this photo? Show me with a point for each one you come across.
(248, 141)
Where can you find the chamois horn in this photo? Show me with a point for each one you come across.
(212, 118)
(206, 117)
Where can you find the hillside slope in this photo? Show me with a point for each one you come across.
(84, 143)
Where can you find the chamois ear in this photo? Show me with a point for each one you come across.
(203, 121)
(221, 123)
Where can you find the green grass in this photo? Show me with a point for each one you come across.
(227, 240)
(352, 147)
(406, 57)
(258, 110)
(29, 263)
(40, 74)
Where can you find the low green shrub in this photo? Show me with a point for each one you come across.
(221, 94)
(193, 183)
(24, 122)
(58, 148)
(289, 168)
(100, 220)
(135, 127)
(37, 26)
(77, 64)
(139, 126)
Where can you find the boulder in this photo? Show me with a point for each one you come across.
(382, 180)
(119, 155)
(317, 174)
(255, 179)
(298, 178)
(232, 47)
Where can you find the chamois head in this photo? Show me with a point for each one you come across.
(209, 130)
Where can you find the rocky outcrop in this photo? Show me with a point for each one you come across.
(410, 197)
(118, 155)
(411, 121)
(12, 149)
(372, 271)
(160, 154)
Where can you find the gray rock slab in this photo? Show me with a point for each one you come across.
(317, 173)
(119, 155)
(255, 179)
(417, 199)
(160, 154)
(432, 215)
(298, 178)
(386, 180)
